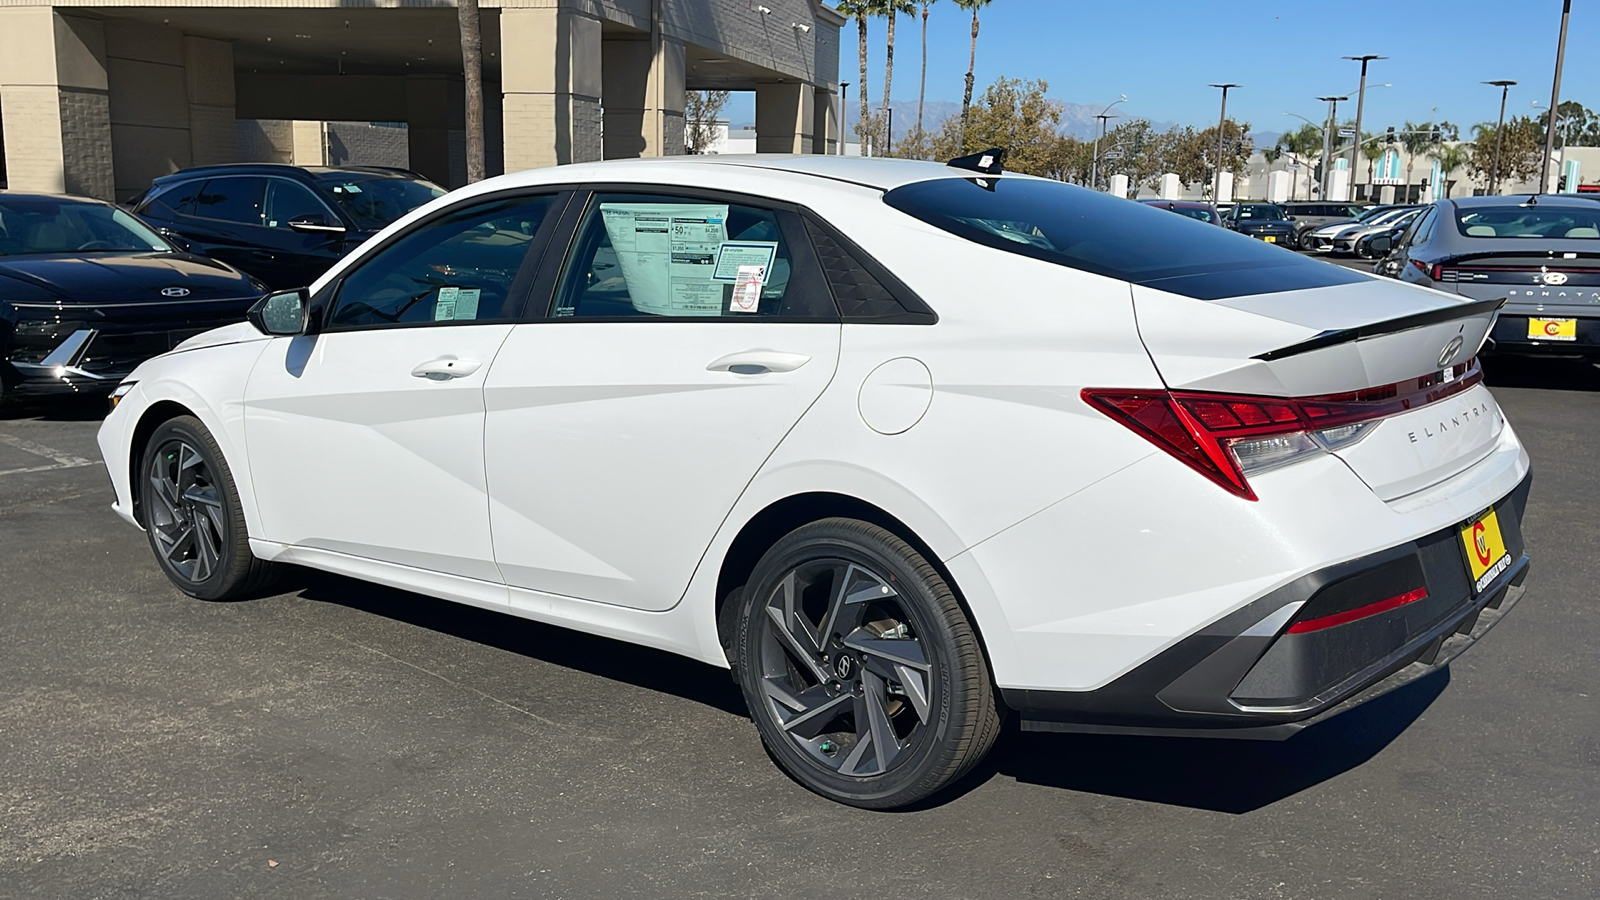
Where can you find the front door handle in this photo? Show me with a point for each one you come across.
(758, 362)
(445, 368)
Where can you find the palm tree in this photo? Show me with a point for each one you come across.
(861, 9)
(469, 22)
(922, 92)
(1451, 158)
(891, 10)
(972, 63)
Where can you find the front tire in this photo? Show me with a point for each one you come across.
(861, 671)
(190, 511)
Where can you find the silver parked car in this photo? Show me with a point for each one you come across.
(1540, 253)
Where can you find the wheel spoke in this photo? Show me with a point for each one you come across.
(884, 744)
(808, 658)
(811, 723)
(176, 545)
(894, 652)
(916, 689)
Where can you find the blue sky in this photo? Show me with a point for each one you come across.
(1163, 53)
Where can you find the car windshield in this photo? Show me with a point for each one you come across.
(1562, 222)
(61, 225)
(1194, 212)
(1261, 212)
(373, 201)
(1374, 213)
(1106, 235)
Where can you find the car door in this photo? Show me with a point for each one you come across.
(366, 438)
(687, 335)
(224, 222)
(301, 255)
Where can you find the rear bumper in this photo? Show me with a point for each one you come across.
(1510, 337)
(1246, 676)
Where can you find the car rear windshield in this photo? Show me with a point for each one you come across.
(53, 225)
(1559, 222)
(1106, 235)
(1260, 211)
(373, 201)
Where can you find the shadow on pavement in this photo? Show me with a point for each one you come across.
(1544, 374)
(1207, 773)
(54, 409)
(616, 660)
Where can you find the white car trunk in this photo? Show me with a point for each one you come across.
(1336, 340)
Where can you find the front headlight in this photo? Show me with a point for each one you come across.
(121, 391)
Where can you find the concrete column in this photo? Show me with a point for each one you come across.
(550, 69)
(1171, 186)
(642, 96)
(149, 103)
(55, 103)
(785, 114)
(436, 117)
(213, 127)
(306, 145)
(825, 122)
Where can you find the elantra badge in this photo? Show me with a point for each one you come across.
(1554, 278)
(1448, 354)
(174, 292)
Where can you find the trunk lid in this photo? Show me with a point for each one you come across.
(1342, 340)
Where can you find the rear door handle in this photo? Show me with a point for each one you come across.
(758, 362)
(445, 368)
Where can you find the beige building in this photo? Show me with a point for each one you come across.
(97, 97)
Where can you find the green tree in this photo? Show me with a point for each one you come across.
(1417, 139)
(1372, 149)
(972, 58)
(700, 110)
(1451, 157)
(1521, 145)
(1013, 114)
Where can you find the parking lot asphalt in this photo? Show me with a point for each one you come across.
(344, 740)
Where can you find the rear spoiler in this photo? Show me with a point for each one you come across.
(1388, 326)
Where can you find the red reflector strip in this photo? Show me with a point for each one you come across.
(1360, 612)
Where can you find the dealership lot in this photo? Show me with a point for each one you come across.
(346, 740)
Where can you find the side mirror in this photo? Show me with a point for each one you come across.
(174, 238)
(1382, 244)
(281, 314)
(315, 223)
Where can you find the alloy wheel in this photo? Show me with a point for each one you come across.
(843, 670)
(183, 511)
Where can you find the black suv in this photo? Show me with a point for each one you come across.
(1312, 214)
(282, 224)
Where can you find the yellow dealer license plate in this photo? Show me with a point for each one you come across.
(1486, 550)
(1552, 329)
(1270, 238)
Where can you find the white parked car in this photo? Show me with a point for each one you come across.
(906, 445)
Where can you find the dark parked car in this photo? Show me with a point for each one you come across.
(1266, 221)
(87, 292)
(1205, 212)
(283, 224)
(1540, 253)
(1312, 214)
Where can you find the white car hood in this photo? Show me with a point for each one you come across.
(237, 333)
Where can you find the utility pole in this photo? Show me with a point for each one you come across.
(1555, 101)
(1361, 98)
(1327, 141)
(1216, 168)
(1499, 134)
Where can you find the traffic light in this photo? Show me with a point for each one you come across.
(1436, 136)
(1389, 137)
(1561, 185)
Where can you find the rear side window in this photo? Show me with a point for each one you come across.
(236, 199)
(1106, 235)
(172, 199)
(863, 296)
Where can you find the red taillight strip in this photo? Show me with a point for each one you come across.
(1360, 612)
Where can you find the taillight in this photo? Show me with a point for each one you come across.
(1438, 272)
(1422, 267)
(1227, 437)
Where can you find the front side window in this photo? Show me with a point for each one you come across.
(663, 257)
(456, 268)
(1106, 235)
(287, 201)
(56, 225)
(1528, 221)
(234, 199)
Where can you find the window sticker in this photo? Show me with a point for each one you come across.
(668, 254)
(734, 256)
(346, 188)
(456, 304)
(747, 289)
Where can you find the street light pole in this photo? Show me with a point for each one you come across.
(1327, 141)
(1094, 159)
(844, 116)
(1499, 134)
(1216, 167)
(1361, 97)
(1555, 101)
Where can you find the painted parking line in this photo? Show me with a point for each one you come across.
(59, 459)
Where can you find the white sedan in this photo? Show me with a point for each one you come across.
(904, 445)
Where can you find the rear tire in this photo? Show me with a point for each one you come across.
(862, 673)
(190, 511)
